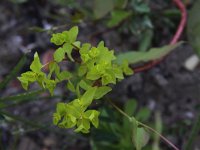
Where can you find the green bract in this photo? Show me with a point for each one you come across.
(96, 71)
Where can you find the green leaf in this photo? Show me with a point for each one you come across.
(53, 67)
(118, 72)
(67, 47)
(77, 44)
(78, 93)
(70, 86)
(59, 54)
(56, 118)
(68, 121)
(71, 35)
(50, 85)
(24, 82)
(126, 69)
(92, 115)
(41, 77)
(141, 138)
(36, 64)
(95, 73)
(152, 54)
(146, 39)
(85, 48)
(130, 107)
(29, 76)
(81, 129)
(86, 124)
(85, 57)
(105, 55)
(107, 78)
(143, 114)
(134, 127)
(193, 26)
(84, 85)
(101, 91)
(83, 125)
(88, 96)
(117, 17)
(102, 7)
(94, 52)
(58, 38)
(26, 78)
(82, 70)
(75, 108)
(72, 119)
(64, 75)
(73, 32)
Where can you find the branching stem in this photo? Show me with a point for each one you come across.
(144, 125)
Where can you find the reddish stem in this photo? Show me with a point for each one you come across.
(174, 40)
(182, 24)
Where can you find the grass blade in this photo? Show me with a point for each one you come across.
(14, 72)
(23, 96)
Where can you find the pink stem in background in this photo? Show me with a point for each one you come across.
(174, 40)
(182, 24)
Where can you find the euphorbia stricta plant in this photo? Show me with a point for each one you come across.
(97, 69)
(95, 72)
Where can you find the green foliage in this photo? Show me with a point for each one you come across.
(59, 55)
(117, 132)
(152, 54)
(133, 15)
(96, 72)
(36, 65)
(140, 137)
(140, 6)
(97, 69)
(75, 114)
(117, 16)
(36, 75)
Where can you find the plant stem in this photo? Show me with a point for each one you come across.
(158, 128)
(161, 136)
(118, 109)
(145, 126)
(75, 47)
(47, 63)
